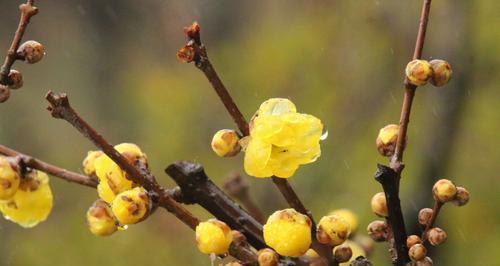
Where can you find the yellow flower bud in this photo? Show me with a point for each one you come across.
(213, 236)
(356, 251)
(379, 205)
(32, 202)
(441, 72)
(16, 79)
(425, 215)
(332, 230)
(462, 197)
(425, 262)
(417, 252)
(444, 190)
(9, 179)
(88, 162)
(436, 236)
(413, 240)
(378, 230)
(349, 216)
(418, 72)
(267, 257)
(225, 143)
(100, 219)
(342, 253)
(131, 206)
(31, 51)
(288, 232)
(386, 140)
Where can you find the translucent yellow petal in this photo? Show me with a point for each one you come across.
(276, 106)
(257, 156)
(32, 202)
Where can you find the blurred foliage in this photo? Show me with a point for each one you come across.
(339, 60)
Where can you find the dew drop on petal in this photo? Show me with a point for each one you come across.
(324, 136)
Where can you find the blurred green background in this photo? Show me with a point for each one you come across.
(342, 61)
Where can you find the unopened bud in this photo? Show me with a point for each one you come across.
(16, 79)
(31, 51)
(386, 140)
(413, 240)
(342, 253)
(417, 252)
(462, 197)
(4, 93)
(436, 236)
(267, 257)
(425, 215)
(441, 72)
(225, 143)
(427, 261)
(418, 72)
(378, 230)
(444, 190)
(379, 205)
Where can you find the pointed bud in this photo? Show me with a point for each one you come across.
(100, 219)
(332, 230)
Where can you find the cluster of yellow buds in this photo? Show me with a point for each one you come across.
(25, 200)
(419, 72)
(122, 202)
(31, 52)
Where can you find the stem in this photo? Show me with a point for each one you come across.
(435, 212)
(50, 169)
(237, 187)
(27, 11)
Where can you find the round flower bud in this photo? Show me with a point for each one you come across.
(356, 250)
(441, 72)
(288, 232)
(425, 215)
(100, 219)
(436, 236)
(332, 230)
(417, 252)
(9, 179)
(386, 140)
(131, 206)
(427, 261)
(213, 236)
(31, 51)
(444, 190)
(32, 202)
(349, 216)
(418, 72)
(379, 205)
(267, 257)
(4, 93)
(378, 230)
(88, 162)
(462, 197)
(413, 240)
(342, 253)
(16, 79)
(225, 143)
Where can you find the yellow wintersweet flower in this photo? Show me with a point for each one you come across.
(112, 179)
(281, 140)
(32, 202)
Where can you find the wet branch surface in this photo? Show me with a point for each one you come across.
(390, 177)
(27, 11)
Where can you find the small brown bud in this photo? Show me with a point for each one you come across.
(425, 215)
(4, 93)
(413, 240)
(186, 54)
(462, 197)
(267, 257)
(16, 79)
(31, 51)
(386, 140)
(417, 252)
(441, 72)
(379, 205)
(418, 72)
(425, 262)
(193, 30)
(378, 230)
(342, 253)
(444, 190)
(436, 236)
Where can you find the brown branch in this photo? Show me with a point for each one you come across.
(196, 51)
(27, 11)
(197, 188)
(237, 187)
(60, 108)
(50, 169)
(435, 212)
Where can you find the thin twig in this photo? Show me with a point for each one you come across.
(195, 51)
(50, 169)
(27, 11)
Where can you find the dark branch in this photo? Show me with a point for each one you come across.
(50, 169)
